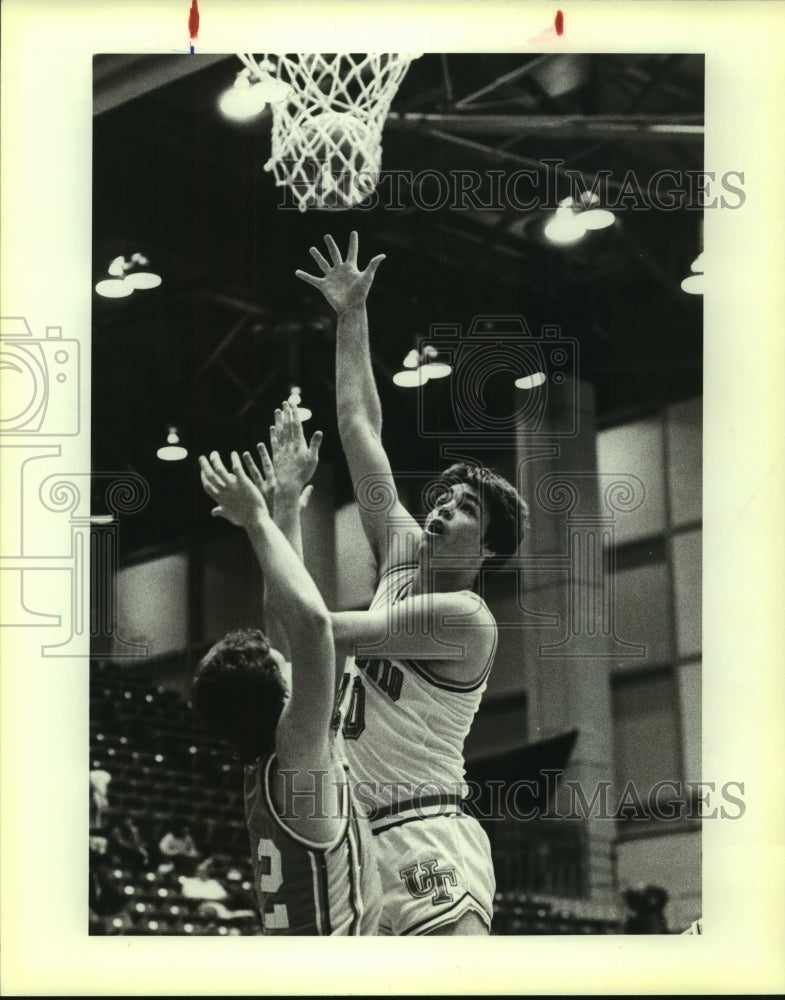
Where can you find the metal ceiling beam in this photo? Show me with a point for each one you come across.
(258, 390)
(500, 81)
(499, 153)
(222, 345)
(568, 127)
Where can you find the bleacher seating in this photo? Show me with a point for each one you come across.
(522, 913)
(164, 768)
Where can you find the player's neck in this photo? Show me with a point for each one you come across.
(432, 578)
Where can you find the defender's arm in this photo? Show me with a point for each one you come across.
(302, 736)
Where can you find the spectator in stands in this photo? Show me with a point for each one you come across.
(104, 898)
(177, 849)
(219, 902)
(127, 847)
(203, 884)
(646, 905)
(99, 800)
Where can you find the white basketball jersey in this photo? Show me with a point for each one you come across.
(404, 728)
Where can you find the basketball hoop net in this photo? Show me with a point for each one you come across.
(327, 131)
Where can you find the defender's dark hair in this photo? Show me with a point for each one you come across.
(508, 512)
(238, 692)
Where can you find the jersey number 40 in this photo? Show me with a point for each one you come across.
(354, 720)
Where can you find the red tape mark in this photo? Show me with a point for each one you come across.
(193, 20)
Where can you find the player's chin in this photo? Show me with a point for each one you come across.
(431, 537)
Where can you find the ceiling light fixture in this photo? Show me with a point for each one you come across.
(432, 367)
(113, 288)
(295, 398)
(410, 378)
(419, 368)
(139, 273)
(596, 218)
(591, 217)
(570, 221)
(253, 89)
(693, 283)
(172, 451)
(530, 381)
(125, 276)
(564, 226)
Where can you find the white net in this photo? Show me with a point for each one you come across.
(327, 130)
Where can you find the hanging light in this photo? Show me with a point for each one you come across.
(126, 276)
(117, 268)
(114, 288)
(139, 274)
(570, 221)
(409, 378)
(412, 374)
(596, 218)
(530, 381)
(172, 451)
(251, 92)
(591, 217)
(295, 398)
(419, 368)
(693, 283)
(432, 367)
(564, 226)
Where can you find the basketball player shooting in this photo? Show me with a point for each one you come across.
(424, 649)
(313, 856)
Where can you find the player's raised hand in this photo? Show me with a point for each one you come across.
(240, 500)
(343, 285)
(264, 481)
(294, 461)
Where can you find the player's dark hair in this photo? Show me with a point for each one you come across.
(238, 692)
(508, 512)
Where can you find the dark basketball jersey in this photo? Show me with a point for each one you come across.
(308, 888)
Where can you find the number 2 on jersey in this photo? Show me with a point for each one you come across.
(278, 918)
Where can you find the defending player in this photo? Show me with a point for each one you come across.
(424, 649)
(313, 857)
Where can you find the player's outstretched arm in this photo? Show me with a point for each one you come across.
(265, 483)
(292, 467)
(282, 482)
(302, 736)
(346, 289)
(454, 627)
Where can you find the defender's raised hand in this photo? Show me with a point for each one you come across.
(294, 461)
(239, 499)
(344, 286)
(265, 480)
